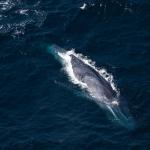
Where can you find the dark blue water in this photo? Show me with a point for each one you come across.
(39, 110)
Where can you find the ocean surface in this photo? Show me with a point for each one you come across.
(40, 108)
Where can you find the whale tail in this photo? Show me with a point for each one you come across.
(121, 116)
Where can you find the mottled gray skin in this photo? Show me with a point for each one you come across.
(97, 85)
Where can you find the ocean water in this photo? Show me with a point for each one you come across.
(40, 109)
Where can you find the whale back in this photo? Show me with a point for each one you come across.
(91, 77)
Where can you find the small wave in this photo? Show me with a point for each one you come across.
(108, 8)
(83, 6)
(22, 15)
(6, 5)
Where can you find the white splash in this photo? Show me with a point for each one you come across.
(66, 60)
(23, 11)
(83, 6)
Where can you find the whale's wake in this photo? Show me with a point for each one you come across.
(65, 58)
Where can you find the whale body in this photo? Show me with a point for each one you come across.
(96, 84)
(103, 93)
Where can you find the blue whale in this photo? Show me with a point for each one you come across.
(99, 87)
